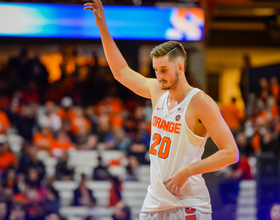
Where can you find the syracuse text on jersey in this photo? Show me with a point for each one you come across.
(166, 125)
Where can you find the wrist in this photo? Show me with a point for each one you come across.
(187, 170)
(103, 28)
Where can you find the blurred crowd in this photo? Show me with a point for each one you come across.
(256, 131)
(58, 125)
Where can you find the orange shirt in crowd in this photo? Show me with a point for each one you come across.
(7, 159)
(256, 142)
(115, 108)
(275, 90)
(44, 142)
(79, 123)
(62, 145)
(232, 115)
(20, 198)
(4, 122)
(70, 115)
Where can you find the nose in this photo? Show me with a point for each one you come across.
(159, 76)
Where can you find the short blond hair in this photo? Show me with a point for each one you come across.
(172, 49)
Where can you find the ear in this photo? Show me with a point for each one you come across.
(181, 67)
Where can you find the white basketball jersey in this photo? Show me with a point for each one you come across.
(172, 146)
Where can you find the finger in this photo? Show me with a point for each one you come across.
(178, 192)
(167, 180)
(169, 185)
(89, 8)
(89, 4)
(173, 189)
(98, 2)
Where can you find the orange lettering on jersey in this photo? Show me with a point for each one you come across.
(155, 121)
(177, 128)
(163, 124)
(166, 125)
(158, 122)
(171, 127)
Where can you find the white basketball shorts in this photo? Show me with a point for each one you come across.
(176, 214)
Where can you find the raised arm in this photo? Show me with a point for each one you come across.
(121, 71)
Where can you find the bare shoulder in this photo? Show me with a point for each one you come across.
(203, 104)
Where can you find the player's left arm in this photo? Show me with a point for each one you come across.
(208, 113)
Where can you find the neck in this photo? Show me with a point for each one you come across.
(180, 92)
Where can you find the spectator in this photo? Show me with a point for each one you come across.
(243, 144)
(138, 150)
(65, 112)
(80, 122)
(115, 191)
(119, 141)
(29, 159)
(3, 210)
(44, 139)
(82, 195)
(63, 170)
(18, 212)
(104, 127)
(10, 179)
(122, 212)
(275, 88)
(243, 84)
(60, 144)
(7, 157)
(265, 101)
(142, 135)
(82, 137)
(34, 208)
(101, 171)
(274, 212)
(233, 115)
(49, 118)
(4, 122)
(132, 169)
(32, 178)
(90, 114)
(40, 75)
(30, 94)
(91, 143)
(13, 113)
(51, 202)
(26, 122)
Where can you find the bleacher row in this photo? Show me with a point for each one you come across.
(133, 194)
(84, 161)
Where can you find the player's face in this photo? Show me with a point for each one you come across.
(166, 73)
(275, 212)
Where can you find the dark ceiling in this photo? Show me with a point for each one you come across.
(245, 24)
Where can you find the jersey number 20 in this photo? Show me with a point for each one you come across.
(164, 147)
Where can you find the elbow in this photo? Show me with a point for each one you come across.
(232, 156)
(235, 156)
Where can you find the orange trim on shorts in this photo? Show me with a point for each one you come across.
(191, 217)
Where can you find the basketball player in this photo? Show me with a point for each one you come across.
(183, 118)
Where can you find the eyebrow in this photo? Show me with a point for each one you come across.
(161, 67)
